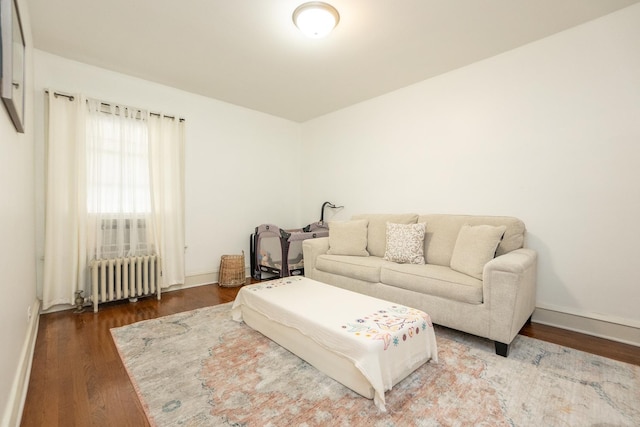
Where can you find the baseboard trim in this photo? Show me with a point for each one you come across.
(18, 393)
(191, 281)
(611, 329)
(587, 325)
(200, 279)
(206, 278)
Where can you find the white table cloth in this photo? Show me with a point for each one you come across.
(383, 339)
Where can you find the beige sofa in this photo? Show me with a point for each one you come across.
(491, 298)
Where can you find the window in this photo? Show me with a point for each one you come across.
(118, 182)
(118, 235)
(117, 165)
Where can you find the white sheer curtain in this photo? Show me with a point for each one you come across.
(114, 188)
(117, 182)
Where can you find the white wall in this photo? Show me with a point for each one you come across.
(242, 166)
(549, 133)
(17, 233)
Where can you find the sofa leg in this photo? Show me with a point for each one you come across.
(502, 349)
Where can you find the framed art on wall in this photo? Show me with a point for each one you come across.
(12, 62)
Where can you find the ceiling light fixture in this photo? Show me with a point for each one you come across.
(316, 19)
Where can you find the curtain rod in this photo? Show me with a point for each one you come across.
(56, 94)
(106, 104)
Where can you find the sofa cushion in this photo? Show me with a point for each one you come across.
(377, 230)
(476, 245)
(442, 233)
(348, 238)
(433, 280)
(405, 243)
(361, 268)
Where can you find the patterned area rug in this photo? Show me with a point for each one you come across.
(200, 368)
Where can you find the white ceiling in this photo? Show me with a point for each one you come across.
(249, 53)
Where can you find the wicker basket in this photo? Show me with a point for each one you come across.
(232, 270)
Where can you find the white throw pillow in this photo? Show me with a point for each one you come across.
(405, 243)
(475, 246)
(348, 238)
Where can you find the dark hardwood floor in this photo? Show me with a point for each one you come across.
(77, 378)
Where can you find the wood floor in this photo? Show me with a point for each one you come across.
(77, 378)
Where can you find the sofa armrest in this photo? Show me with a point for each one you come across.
(509, 290)
(515, 261)
(311, 250)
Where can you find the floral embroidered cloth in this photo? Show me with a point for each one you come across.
(385, 341)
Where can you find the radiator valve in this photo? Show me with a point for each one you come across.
(79, 302)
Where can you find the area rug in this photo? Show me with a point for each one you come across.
(200, 368)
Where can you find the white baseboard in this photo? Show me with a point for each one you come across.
(599, 326)
(18, 392)
(620, 330)
(189, 282)
(587, 325)
(206, 278)
(200, 279)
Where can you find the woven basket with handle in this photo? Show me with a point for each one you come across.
(232, 270)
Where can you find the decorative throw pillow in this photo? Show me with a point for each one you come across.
(348, 238)
(405, 243)
(475, 246)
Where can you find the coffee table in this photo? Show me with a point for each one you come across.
(365, 343)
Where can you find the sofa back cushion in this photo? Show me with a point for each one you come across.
(443, 229)
(476, 245)
(377, 231)
(348, 238)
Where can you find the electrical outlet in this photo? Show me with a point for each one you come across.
(28, 314)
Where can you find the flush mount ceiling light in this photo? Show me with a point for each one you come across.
(315, 19)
